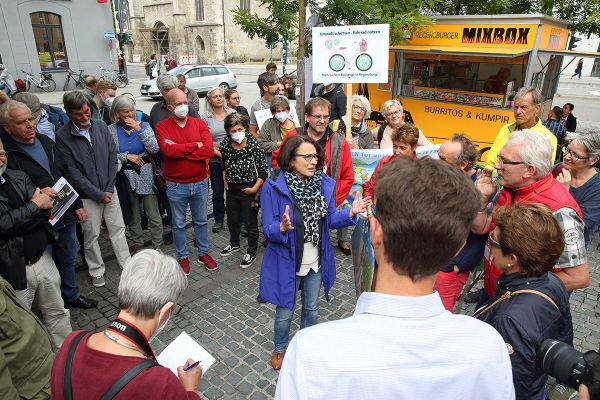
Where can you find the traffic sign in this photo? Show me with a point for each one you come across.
(109, 35)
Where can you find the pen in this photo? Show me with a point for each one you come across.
(192, 366)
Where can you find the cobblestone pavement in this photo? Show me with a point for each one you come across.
(219, 310)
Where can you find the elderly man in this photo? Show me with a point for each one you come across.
(192, 96)
(46, 118)
(401, 343)
(160, 111)
(90, 83)
(528, 103)
(460, 153)
(24, 259)
(37, 156)
(186, 145)
(89, 152)
(525, 171)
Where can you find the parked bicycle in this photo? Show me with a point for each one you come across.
(76, 77)
(46, 83)
(118, 77)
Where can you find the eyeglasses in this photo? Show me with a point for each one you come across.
(320, 117)
(394, 113)
(359, 108)
(573, 155)
(503, 161)
(494, 242)
(308, 157)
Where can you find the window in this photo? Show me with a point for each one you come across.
(208, 71)
(199, 10)
(49, 40)
(193, 73)
(245, 4)
(222, 71)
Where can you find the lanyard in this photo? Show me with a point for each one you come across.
(133, 334)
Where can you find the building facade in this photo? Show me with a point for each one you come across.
(53, 35)
(193, 31)
(591, 66)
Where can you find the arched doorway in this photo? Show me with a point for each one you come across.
(200, 49)
(160, 37)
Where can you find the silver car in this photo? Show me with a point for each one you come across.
(200, 78)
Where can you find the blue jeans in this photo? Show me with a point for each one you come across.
(196, 195)
(218, 190)
(311, 286)
(64, 258)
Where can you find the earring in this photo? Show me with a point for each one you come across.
(508, 265)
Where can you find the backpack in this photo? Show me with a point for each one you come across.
(56, 116)
(380, 132)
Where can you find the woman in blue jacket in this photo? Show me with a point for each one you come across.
(298, 211)
(531, 303)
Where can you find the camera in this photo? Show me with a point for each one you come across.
(569, 366)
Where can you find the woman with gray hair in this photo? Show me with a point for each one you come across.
(135, 143)
(393, 112)
(579, 174)
(215, 111)
(361, 136)
(149, 287)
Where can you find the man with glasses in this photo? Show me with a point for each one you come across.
(339, 164)
(528, 103)
(524, 168)
(187, 146)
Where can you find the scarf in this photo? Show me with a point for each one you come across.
(311, 202)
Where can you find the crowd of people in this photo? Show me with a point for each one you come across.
(527, 218)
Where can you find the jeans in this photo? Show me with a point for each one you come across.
(196, 195)
(218, 190)
(311, 286)
(64, 257)
(238, 205)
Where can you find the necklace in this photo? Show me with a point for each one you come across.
(121, 343)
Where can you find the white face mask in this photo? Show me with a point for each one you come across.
(159, 328)
(181, 110)
(281, 116)
(108, 101)
(238, 137)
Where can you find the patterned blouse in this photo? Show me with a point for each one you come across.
(245, 165)
(142, 183)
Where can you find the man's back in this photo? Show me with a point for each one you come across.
(397, 347)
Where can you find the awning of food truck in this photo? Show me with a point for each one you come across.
(570, 53)
(459, 50)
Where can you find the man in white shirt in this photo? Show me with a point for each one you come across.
(401, 343)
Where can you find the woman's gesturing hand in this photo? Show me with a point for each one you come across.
(286, 222)
(359, 206)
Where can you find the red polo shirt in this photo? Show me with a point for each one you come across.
(185, 162)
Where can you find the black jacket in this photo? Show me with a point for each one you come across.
(525, 321)
(336, 97)
(92, 168)
(16, 222)
(20, 160)
(571, 123)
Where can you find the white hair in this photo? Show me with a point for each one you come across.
(120, 103)
(390, 103)
(535, 150)
(6, 107)
(166, 82)
(148, 282)
(365, 103)
(208, 108)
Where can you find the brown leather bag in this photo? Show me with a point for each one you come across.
(159, 175)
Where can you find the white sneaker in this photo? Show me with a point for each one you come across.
(98, 281)
(229, 250)
(247, 261)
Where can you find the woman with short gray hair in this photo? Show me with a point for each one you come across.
(136, 142)
(393, 113)
(361, 135)
(215, 111)
(580, 176)
(150, 285)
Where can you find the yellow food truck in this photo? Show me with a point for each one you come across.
(460, 73)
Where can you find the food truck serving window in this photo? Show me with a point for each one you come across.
(464, 79)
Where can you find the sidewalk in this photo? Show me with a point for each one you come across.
(220, 311)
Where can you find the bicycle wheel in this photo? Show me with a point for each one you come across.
(79, 84)
(66, 85)
(48, 85)
(121, 81)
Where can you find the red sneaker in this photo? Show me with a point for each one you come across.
(208, 262)
(184, 263)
